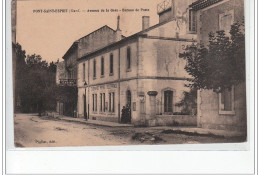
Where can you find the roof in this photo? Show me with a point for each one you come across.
(75, 43)
(201, 4)
(141, 33)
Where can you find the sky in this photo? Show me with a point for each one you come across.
(51, 34)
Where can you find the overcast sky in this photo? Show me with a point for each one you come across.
(51, 34)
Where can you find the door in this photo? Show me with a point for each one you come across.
(128, 104)
(85, 106)
(168, 97)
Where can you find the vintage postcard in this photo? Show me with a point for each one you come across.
(147, 72)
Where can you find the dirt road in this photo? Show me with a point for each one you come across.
(33, 131)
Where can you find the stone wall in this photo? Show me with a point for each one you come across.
(209, 17)
(208, 111)
(173, 120)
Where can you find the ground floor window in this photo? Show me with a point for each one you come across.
(101, 101)
(111, 102)
(168, 101)
(226, 101)
(94, 101)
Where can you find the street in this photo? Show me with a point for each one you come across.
(33, 131)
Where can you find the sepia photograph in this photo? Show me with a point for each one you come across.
(118, 73)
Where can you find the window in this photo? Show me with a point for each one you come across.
(84, 72)
(192, 21)
(104, 102)
(94, 69)
(101, 99)
(94, 100)
(111, 60)
(168, 101)
(109, 108)
(226, 101)
(102, 66)
(111, 102)
(128, 55)
(226, 20)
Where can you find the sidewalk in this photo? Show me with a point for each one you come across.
(169, 129)
(94, 122)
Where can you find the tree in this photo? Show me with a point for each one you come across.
(188, 102)
(37, 89)
(221, 64)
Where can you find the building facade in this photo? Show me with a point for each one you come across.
(67, 70)
(225, 110)
(142, 71)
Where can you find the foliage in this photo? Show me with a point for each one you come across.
(189, 102)
(35, 82)
(221, 64)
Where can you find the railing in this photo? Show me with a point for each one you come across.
(70, 82)
(163, 6)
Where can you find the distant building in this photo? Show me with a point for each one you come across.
(219, 110)
(142, 71)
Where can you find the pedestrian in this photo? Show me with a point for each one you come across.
(123, 115)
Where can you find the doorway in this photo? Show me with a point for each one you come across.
(128, 104)
(168, 101)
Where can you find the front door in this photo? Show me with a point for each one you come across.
(168, 97)
(128, 104)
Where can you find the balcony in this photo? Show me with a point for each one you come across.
(69, 82)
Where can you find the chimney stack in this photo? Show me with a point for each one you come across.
(118, 31)
(145, 22)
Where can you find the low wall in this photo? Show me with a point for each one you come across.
(106, 118)
(173, 120)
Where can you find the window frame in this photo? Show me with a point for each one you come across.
(111, 64)
(128, 59)
(232, 111)
(192, 17)
(102, 67)
(94, 69)
(220, 16)
(84, 72)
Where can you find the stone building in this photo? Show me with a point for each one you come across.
(225, 110)
(67, 69)
(142, 71)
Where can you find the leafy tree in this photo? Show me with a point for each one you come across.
(37, 89)
(189, 102)
(221, 64)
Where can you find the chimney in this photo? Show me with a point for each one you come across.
(118, 31)
(145, 22)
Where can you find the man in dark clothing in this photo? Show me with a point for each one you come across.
(123, 114)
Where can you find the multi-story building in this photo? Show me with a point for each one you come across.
(142, 71)
(67, 70)
(225, 110)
